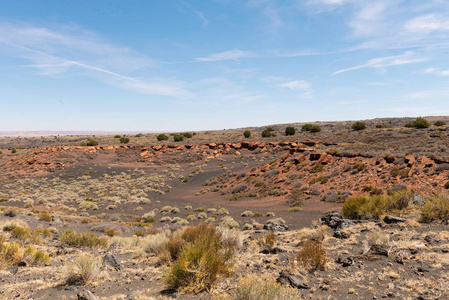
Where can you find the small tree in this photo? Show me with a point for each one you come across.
(290, 130)
(187, 135)
(13, 150)
(178, 137)
(90, 142)
(421, 123)
(162, 137)
(306, 127)
(439, 123)
(247, 133)
(359, 125)
(124, 140)
(267, 133)
(315, 128)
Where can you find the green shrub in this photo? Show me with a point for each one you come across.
(290, 130)
(36, 257)
(435, 209)
(90, 142)
(124, 140)
(439, 123)
(359, 125)
(421, 123)
(315, 128)
(199, 260)
(13, 150)
(267, 133)
(85, 239)
(21, 233)
(374, 206)
(162, 137)
(187, 135)
(317, 168)
(306, 127)
(111, 232)
(247, 133)
(178, 138)
(117, 136)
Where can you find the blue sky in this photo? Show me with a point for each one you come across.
(173, 65)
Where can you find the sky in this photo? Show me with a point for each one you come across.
(178, 65)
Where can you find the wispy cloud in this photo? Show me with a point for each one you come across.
(388, 61)
(428, 23)
(234, 54)
(296, 85)
(200, 15)
(436, 71)
(58, 52)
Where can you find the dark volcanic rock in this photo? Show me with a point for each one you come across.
(275, 226)
(393, 220)
(86, 295)
(111, 260)
(286, 277)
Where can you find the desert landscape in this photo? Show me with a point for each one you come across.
(324, 210)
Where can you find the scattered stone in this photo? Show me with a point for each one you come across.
(268, 250)
(393, 220)
(286, 277)
(346, 262)
(431, 239)
(340, 235)
(335, 221)
(275, 226)
(13, 269)
(86, 295)
(22, 263)
(111, 260)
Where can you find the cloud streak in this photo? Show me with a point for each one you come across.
(384, 62)
(48, 51)
(234, 54)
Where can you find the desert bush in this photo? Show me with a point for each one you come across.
(85, 239)
(29, 203)
(247, 134)
(83, 270)
(117, 136)
(363, 207)
(90, 142)
(231, 236)
(124, 140)
(21, 233)
(295, 209)
(45, 216)
(155, 243)
(10, 225)
(312, 255)
(88, 205)
(435, 209)
(139, 233)
(178, 138)
(247, 213)
(439, 123)
(201, 261)
(359, 125)
(257, 215)
(202, 215)
(270, 239)
(317, 168)
(162, 137)
(290, 130)
(199, 209)
(229, 222)
(306, 127)
(223, 211)
(13, 150)
(374, 206)
(256, 287)
(36, 257)
(268, 133)
(111, 232)
(421, 123)
(188, 207)
(315, 128)
(85, 221)
(10, 253)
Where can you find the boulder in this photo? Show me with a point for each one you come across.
(295, 281)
